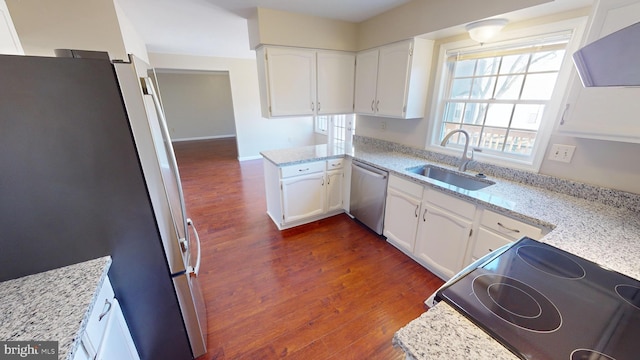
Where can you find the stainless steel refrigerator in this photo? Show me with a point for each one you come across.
(88, 170)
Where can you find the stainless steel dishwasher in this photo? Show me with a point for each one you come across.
(368, 195)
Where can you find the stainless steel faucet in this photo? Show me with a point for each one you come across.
(465, 159)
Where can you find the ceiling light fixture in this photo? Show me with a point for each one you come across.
(484, 30)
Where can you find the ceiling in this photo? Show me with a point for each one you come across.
(219, 27)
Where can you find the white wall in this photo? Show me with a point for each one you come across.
(198, 104)
(133, 43)
(254, 133)
(44, 25)
(275, 27)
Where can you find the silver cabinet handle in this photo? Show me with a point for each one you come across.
(301, 170)
(377, 107)
(322, 181)
(318, 106)
(312, 106)
(423, 215)
(508, 228)
(373, 102)
(105, 309)
(417, 207)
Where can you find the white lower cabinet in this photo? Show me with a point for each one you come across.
(442, 241)
(335, 190)
(106, 336)
(301, 193)
(402, 211)
(431, 227)
(496, 230)
(443, 233)
(303, 196)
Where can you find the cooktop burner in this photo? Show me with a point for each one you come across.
(551, 262)
(586, 354)
(516, 302)
(544, 303)
(630, 294)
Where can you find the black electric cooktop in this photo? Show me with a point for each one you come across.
(544, 303)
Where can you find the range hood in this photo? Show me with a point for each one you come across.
(613, 60)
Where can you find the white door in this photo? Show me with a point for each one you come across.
(291, 81)
(401, 220)
(335, 72)
(393, 75)
(442, 241)
(303, 196)
(366, 79)
(335, 184)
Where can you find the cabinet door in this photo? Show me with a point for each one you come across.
(401, 220)
(486, 242)
(303, 196)
(117, 342)
(9, 42)
(335, 72)
(335, 184)
(606, 113)
(366, 79)
(291, 81)
(442, 241)
(393, 75)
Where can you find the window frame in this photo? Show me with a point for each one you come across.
(553, 109)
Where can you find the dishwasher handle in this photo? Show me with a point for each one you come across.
(369, 170)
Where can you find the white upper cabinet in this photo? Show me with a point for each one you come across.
(335, 76)
(9, 42)
(288, 81)
(366, 79)
(305, 82)
(392, 80)
(606, 113)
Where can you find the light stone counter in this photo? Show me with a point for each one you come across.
(598, 224)
(53, 305)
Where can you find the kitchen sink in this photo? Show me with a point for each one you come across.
(451, 177)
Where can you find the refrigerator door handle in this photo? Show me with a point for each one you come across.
(148, 89)
(196, 269)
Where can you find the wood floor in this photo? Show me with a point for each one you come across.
(331, 289)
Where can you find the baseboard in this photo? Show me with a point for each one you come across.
(204, 138)
(246, 158)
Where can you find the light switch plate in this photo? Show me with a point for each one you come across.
(562, 153)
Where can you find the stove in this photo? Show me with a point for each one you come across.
(544, 303)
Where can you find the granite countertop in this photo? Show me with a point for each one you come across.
(598, 224)
(53, 305)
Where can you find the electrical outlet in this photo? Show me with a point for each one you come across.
(562, 153)
(383, 125)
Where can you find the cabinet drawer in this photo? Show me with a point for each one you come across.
(508, 227)
(334, 164)
(98, 319)
(302, 169)
(451, 203)
(406, 186)
(486, 242)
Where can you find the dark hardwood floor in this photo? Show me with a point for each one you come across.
(331, 289)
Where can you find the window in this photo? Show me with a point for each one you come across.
(501, 93)
(338, 128)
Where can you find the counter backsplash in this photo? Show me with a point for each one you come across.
(578, 189)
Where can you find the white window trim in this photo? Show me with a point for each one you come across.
(553, 110)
